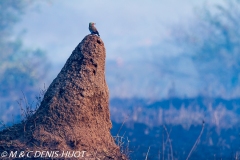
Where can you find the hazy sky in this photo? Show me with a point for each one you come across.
(131, 30)
(57, 26)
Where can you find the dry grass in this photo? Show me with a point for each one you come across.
(167, 144)
(28, 109)
(122, 141)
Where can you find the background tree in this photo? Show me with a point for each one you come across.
(21, 69)
(212, 41)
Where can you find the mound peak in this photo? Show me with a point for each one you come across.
(74, 113)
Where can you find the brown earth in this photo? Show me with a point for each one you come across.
(74, 113)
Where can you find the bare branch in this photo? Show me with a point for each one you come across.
(197, 141)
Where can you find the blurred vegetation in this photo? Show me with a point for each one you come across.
(212, 41)
(21, 69)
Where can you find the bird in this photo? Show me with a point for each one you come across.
(93, 29)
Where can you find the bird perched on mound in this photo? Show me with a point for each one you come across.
(93, 29)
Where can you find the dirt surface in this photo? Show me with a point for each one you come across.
(74, 114)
